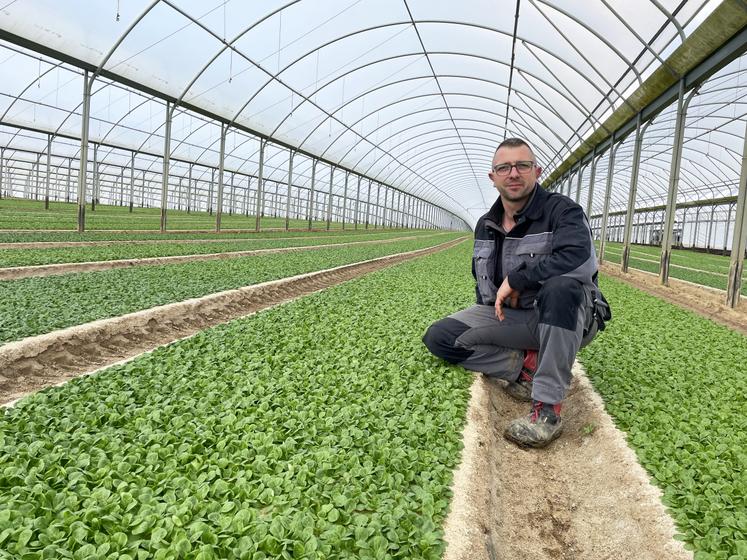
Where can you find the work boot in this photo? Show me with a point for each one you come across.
(538, 428)
(521, 389)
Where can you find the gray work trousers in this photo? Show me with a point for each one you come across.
(561, 323)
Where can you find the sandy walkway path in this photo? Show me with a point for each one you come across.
(585, 497)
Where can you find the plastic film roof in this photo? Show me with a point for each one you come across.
(412, 93)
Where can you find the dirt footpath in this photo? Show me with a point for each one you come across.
(585, 497)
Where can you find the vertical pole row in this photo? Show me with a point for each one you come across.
(345, 199)
(82, 175)
(310, 205)
(260, 185)
(166, 158)
(221, 170)
(49, 172)
(357, 202)
(132, 182)
(290, 186)
(739, 239)
(628, 227)
(674, 179)
(607, 196)
(329, 200)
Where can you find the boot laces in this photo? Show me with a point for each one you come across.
(536, 410)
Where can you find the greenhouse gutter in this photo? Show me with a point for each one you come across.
(719, 40)
(62, 57)
(680, 205)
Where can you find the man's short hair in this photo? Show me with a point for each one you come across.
(515, 143)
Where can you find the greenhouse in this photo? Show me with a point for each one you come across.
(231, 231)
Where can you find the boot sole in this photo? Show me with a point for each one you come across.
(532, 444)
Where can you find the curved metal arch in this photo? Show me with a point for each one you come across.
(421, 124)
(645, 44)
(406, 157)
(434, 154)
(375, 162)
(31, 83)
(468, 78)
(434, 131)
(426, 156)
(571, 100)
(354, 146)
(453, 165)
(609, 45)
(415, 22)
(227, 45)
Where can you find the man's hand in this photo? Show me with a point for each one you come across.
(505, 293)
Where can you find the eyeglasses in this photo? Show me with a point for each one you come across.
(522, 167)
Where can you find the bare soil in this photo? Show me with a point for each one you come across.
(14, 273)
(705, 301)
(104, 243)
(37, 362)
(583, 497)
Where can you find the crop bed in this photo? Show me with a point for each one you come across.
(700, 268)
(318, 429)
(38, 305)
(30, 257)
(27, 214)
(676, 383)
(73, 237)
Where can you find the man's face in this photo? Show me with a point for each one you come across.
(517, 184)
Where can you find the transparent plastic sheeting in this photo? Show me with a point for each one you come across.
(412, 93)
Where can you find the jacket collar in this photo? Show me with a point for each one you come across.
(532, 209)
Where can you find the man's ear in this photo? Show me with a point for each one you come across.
(539, 171)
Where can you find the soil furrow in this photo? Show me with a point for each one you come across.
(15, 273)
(50, 359)
(584, 496)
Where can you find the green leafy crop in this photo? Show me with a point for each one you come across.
(677, 384)
(33, 306)
(320, 429)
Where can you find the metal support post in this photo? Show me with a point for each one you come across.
(221, 171)
(310, 204)
(132, 181)
(260, 184)
(739, 239)
(83, 174)
(49, 172)
(231, 196)
(376, 215)
(578, 184)
(628, 227)
(357, 202)
(210, 189)
(246, 196)
(345, 199)
(95, 188)
(710, 229)
(665, 256)
(384, 211)
(166, 158)
(592, 179)
(189, 189)
(2, 170)
(368, 204)
(607, 196)
(329, 200)
(290, 186)
(726, 229)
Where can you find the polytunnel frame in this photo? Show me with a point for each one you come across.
(682, 92)
(430, 214)
(670, 18)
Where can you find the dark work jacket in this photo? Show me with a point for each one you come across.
(551, 238)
